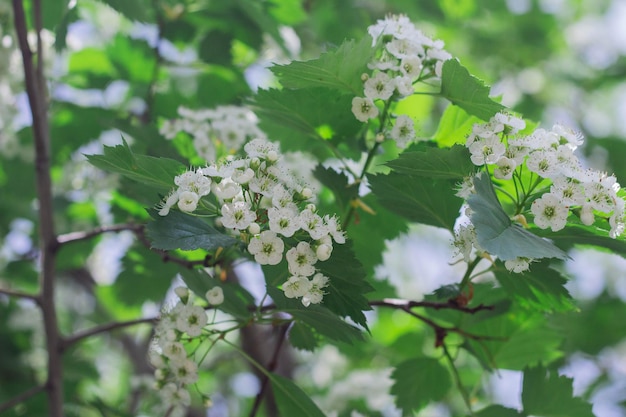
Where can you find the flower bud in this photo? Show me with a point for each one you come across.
(182, 293)
(215, 296)
(254, 228)
(307, 193)
(323, 252)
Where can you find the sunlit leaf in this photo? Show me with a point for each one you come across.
(467, 91)
(446, 163)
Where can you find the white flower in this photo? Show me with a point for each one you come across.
(296, 286)
(600, 197)
(254, 228)
(267, 248)
(323, 252)
(316, 292)
(237, 215)
(173, 395)
(404, 48)
(188, 201)
(513, 124)
(314, 224)
(283, 220)
(569, 191)
(300, 260)
(242, 176)
(403, 131)
(544, 163)
(504, 168)
(572, 138)
(518, 265)
(364, 109)
(215, 296)
(486, 150)
(182, 293)
(465, 188)
(191, 320)
(586, 214)
(549, 212)
(226, 189)
(185, 371)
(174, 351)
(260, 148)
(193, 181)
(465, 241)
(169, 202)
(333, 227)
(411, 66)
(617, 220)
(404, 86)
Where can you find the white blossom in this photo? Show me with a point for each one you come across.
(296, 286)
(364, 109)
(215, 296)
(237, 215)
(188, 201)
(300, 260)
(549, 212)
(267, 248)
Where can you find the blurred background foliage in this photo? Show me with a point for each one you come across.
(120, 68)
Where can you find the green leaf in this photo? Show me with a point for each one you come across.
(295, 117)
(183, 231)
(497, 411)
(237, 301)
(447, 163)
(547, 394)
(418, 199)
(417, 382)
(467, 91)
(338, 183)
(497, 234)
(291, 400)
(302, 336)
(157, 173)
(137, 10)
(347, 285)
(542, 288)
(454, 126)
(579, 235)
(339, 69)
(520, 340)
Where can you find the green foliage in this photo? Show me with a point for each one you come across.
(448, 163)
(467, 91)
(545, 393)
(157, 173)
(183, 231)
(497, 234)
(339, 69)
(418, 199)
(292, 401)
(417, 382)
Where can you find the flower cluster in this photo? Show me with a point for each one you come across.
(174, 367)
(406, 56)
(558, 182)
(226, 126)
(258, 200)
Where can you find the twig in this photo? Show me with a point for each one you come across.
(401, 304)
(457, 377)
(85, 235)
(21, 398)
(83, 334)
(20, 294)
(270, 367)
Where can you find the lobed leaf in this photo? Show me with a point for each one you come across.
(291, 400)
(157, 173)
(418, 199)
(467, 91)
(339, 69)
(545, 393)
(446, 163)
(417, 382)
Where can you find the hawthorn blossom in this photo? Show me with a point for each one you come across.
(549, 212)
(215, 296)
(300, 260)
(364, 109)
(296, 286)
(237, 215)
(267, 248)
(316, 292)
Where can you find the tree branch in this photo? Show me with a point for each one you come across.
(35, 89)
(21, 398)
(402, 304)
(108, 327)
(270, 367)
(19, 294)
(86, 235)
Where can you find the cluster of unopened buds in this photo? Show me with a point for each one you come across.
(406, 56)
(558, 182)
(175, 368)
(256, 199)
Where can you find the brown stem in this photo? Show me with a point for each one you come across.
(84, 334)
(35, 89)
(270, 367)
(402, 304)
(19, 294)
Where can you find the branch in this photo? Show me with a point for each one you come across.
(85, 235)
(21, 398)
(35, 89)
(270, 367)
(104, 328)
(402, 304)
(20, 294)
